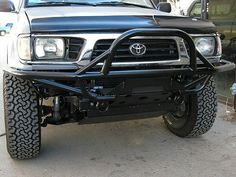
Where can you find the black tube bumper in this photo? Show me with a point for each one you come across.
(84, 73)
(222, 66)
(52, 79)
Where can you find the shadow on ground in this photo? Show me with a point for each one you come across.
(141, 148)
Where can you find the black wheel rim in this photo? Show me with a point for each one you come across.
(179, 118)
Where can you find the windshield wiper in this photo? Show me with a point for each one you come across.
(117, 3)
(53, 3)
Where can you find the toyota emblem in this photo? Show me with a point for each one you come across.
(138, 49)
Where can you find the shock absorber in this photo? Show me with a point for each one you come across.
(56, 109)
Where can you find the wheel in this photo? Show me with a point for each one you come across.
(196, 115)
(23, 130)
(2, 33)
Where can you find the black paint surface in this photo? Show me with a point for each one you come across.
(119, 24)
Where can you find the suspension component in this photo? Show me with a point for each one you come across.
(102, 106)
(56, 109)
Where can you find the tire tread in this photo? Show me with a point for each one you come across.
(207, 109)
(22, 122)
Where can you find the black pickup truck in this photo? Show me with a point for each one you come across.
(100, 60)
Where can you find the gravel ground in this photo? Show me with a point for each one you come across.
(141, 148)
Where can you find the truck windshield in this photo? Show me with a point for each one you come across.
(135, 3)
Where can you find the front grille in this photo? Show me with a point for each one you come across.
(75, 46)
(157, 50)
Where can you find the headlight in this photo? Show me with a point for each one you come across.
(206, 45)
(49, 48)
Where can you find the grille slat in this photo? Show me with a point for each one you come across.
(146, 56)
(127, 50)
(157, 50)
(74, 47)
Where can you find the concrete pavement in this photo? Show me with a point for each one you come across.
(141, 148)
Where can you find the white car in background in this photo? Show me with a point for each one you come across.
(4, 29)
(7, 17)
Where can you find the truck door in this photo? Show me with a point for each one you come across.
(232, 46)
(223, 14)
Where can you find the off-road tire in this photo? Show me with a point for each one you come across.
(201, 114)
(23, 131)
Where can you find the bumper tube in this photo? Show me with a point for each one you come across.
(85, 73)
(225, 66)
(222, 66)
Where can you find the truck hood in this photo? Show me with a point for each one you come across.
(119, 19)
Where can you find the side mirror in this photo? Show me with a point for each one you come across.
(164, 7)
(7, 6)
